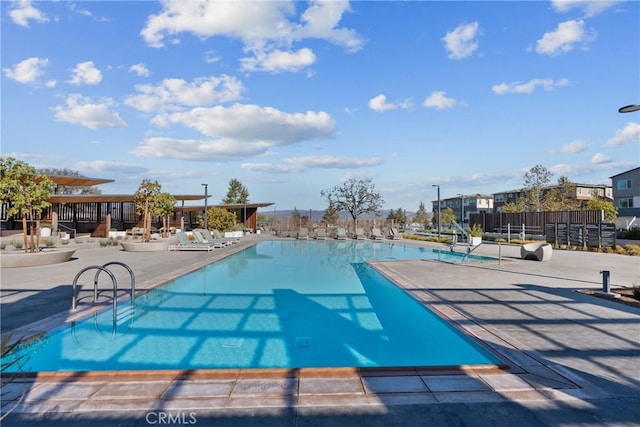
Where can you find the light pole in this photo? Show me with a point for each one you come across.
(206, 218)
(436, 185)
(461, 209)
(629, 108)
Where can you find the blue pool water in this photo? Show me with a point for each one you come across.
(279, 304)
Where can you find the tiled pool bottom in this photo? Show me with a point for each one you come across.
(526, 379)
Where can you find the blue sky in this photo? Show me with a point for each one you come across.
(295, 97)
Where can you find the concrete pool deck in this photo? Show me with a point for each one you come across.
(574, 359)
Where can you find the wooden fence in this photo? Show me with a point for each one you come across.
(534, 222)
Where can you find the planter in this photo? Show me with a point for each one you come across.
(475, 241)
(115, 234)
(153, 246)
(234, 234)
(39, 258)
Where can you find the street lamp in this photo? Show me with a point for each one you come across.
(461, 208)
(629, 108)
(206, 219)
(436, 185)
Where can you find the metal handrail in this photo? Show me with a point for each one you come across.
(131, 275)
(73, 230)
(95, 287)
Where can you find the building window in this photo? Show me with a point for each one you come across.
(499, 197)
(624, 184)
(626, 202)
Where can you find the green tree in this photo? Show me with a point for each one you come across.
(218, 219)
(397, 216)
(146, 199)
(237, 193)
(599, 204)
(447, 216)
(517, 207)
(421, 215)
(535, 181)
(356, 196)
(330, 215)
(561, 197)
(70, 189)
(26, 193)
(164, 206)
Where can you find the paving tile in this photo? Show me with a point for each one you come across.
(182, 389)
(455, 383)
(403, 399)
(403, 384)
(265, 387)
(506, 382)
(544, 377)
(44, 406)
(119, 405)
(262, 402)
(62, 391)
(468, 396)
(330, 386)
(522, 395)
(192, 403)
(137, 390)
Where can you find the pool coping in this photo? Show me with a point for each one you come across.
(509, 381)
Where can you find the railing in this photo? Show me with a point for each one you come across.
(66, 229)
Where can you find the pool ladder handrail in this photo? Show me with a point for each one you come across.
(101, 268)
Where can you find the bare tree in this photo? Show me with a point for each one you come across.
(356, 196)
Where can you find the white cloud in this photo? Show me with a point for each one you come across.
(573, 147)
(22, 11)
(589, 7)
(82, 111)
(629, 134)
(277, 60)
(379, 103)
(237, 132)
(109, 168)
(586, 169)
(439, 100)
(529, 87)
(85, 73)
(333, 162)
(461, 42)
(140, 69)
(211, 57)
(271, 168)
(600, 158)
(171, 94)
(563, 39)
(298, 164)
(265, 28)
(27, 71)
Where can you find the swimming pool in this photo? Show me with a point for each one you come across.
(279, 304)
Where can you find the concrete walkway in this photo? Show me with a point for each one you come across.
(574, 359)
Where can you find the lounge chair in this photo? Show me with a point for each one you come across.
(303, 233)
(376, 234)
(321, 234)
(204, 236)
(359, 235)
(341, 234)
(184, 244)
(393, 234)
(536, 251)
(217, 235)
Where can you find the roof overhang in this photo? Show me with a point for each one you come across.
(109, 198)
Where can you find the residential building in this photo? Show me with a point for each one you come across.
(626, 192)
(583, 192)
(466, 204)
